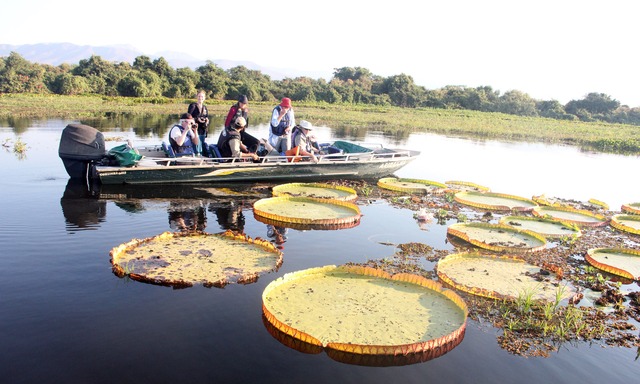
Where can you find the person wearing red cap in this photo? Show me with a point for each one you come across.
(282, 122)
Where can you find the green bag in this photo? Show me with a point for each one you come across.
(125, 155)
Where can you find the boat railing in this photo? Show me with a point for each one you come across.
(375, 154)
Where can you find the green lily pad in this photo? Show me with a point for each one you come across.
(362, 311)
(626, 223)
(499, 277)
(182, 259)
(575, 216)
(632, 208)
(316, 190)
(619, 261)
(498, 237)
(495, 201)
(412, 185)
(546, 227)
(307, 210)
(460, 186)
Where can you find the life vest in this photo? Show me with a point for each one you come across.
(278, 130)
(180, 150)
(223, 141)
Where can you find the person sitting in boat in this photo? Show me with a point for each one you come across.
(249, 143)
(229, 141)
(302, 145)
(184, 137)
(282, 122)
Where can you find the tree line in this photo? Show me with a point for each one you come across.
(353, 85)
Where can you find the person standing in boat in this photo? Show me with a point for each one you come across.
(229, 141)
(282, 122)
(184, 137)
(201, 115)
(248, 143)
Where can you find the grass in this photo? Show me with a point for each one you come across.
(353, 120)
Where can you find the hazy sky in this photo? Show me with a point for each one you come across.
(550, 49)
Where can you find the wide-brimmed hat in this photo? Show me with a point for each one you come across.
(306, 125)
(286, 102)
(240, 122)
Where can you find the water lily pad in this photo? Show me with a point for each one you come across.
(570, 215)
(619, 261)
(546, 227)
(182, 259)
(626, 223)
(495, 201)
(317, 190)
(498, 237)
(412, 185)
(632, 208)
(460, 186)
(353, 311)
(307, 210)
(499, 277)
(592, 204)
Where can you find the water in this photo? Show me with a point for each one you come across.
(65, 317)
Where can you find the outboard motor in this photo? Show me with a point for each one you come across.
(80, 145)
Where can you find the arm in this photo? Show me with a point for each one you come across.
(235, 144)
(230, 115)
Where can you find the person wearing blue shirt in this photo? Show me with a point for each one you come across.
(282, 122)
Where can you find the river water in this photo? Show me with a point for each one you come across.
(66, 318)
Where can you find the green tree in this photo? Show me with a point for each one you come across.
(517, 103)
(68, 84)
(18, 75)
(213, 80)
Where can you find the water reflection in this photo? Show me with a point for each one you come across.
(81, 209)
(187, 216)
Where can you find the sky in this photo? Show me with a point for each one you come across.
(550, 49)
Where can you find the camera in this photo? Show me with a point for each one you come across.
(194, 125)
(202, 119)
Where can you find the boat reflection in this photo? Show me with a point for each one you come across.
(85, 207)
(80, 207)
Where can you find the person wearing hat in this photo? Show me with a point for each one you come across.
(302, 143)
(249, 143)
(183, 137)
(229, 142)
(201, 115)
(282, 123)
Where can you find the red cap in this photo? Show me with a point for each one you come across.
(286, 102)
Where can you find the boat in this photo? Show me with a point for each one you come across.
(82, 150)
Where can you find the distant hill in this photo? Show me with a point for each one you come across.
(58, 53)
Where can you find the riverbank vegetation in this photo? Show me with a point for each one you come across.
(348, 118)
(148, 78)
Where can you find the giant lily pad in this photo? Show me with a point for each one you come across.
(182, 259)
(460, 186)
(575, 216)
(619, 261)
(412, 185)
(498, 277)
(627, 223)
(495, 201)
(546, 227)
(307, 211)
(317, 190)
(353, 312)
(632, 208)
(498, 237)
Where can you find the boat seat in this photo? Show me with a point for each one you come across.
(168, 150)
(214, 152)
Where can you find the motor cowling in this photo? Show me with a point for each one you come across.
(80, 145)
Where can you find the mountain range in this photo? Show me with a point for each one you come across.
(59, 53)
